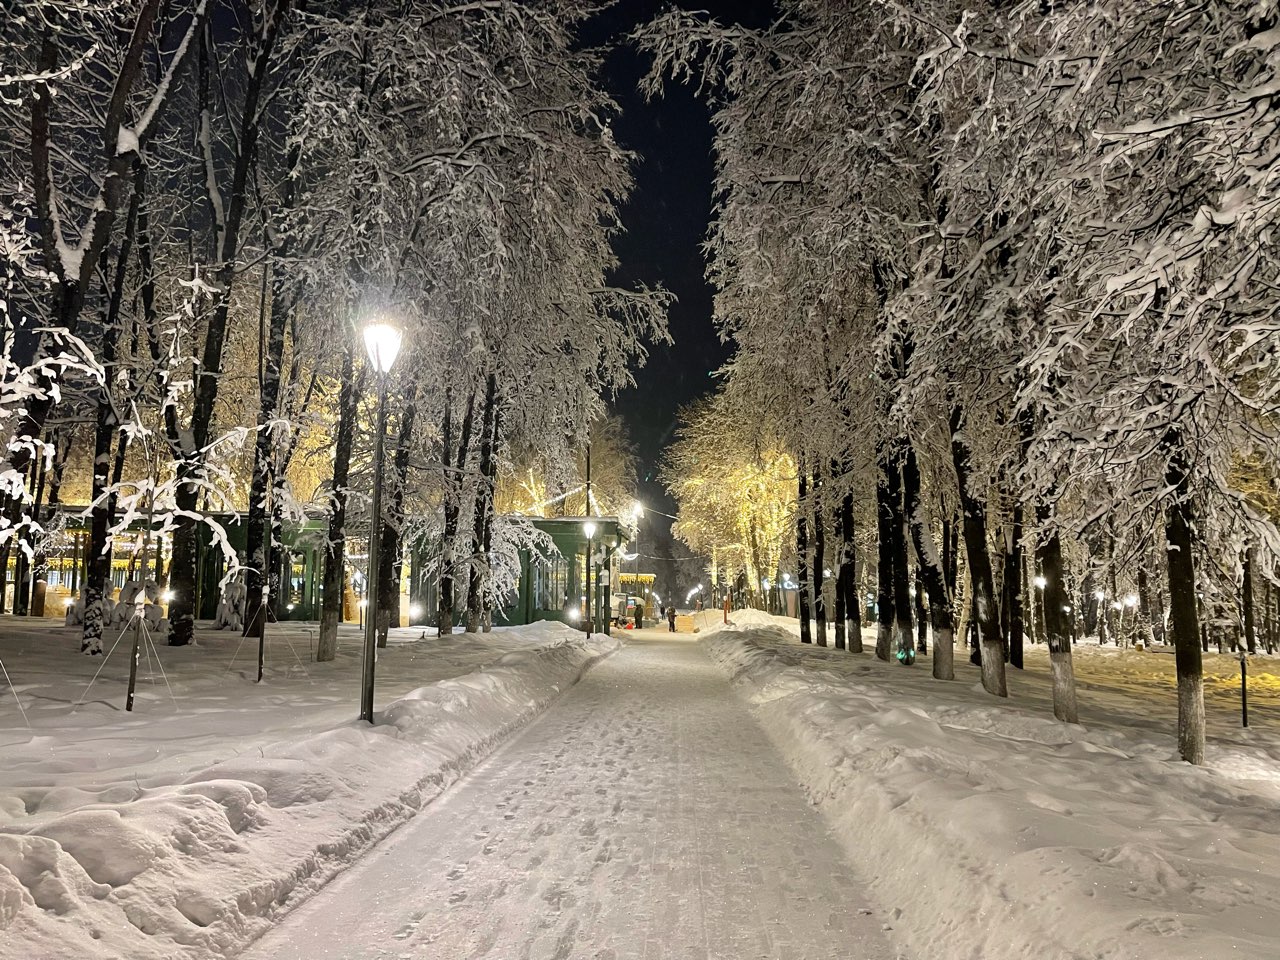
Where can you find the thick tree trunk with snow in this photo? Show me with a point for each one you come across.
(335, 547)
(931, 572)
(819, 558)
(391, 547)
(1015, 580)
(106, 425)
(452, 512)
(1057, 619)
(802, 555)
(1184, 621)
(479, 566)
(884, 565)
(182, 566)
(1246, 602)
(848, 573)
(841, 602)
(902, 625)
(985, 610)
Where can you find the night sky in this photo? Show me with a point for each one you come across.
(666, 221)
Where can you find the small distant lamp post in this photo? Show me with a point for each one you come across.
(382, 341)
(589, 529)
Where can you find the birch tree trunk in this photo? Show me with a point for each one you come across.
(930, 571)
(1057, 622)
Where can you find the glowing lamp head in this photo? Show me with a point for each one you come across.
(637, 511)
(1040, 582)
(1131, 601)
(574, 614)
(167, 596)
(589, 529)
(382, 341)
(362, 604)
(1099, 595)
(415, 611)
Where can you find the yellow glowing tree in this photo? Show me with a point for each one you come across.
(735, 484)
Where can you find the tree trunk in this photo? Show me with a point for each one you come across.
(1015, 578)
(1057, 620)
(884, 581)
(839, 582)
(819, 575)
(258, 550)
(1246, 603)
(452, 512)
(903, 626)
(848, 573)
(802, 555)
(931, 571)
(1184, 621)
(975, 540)
(335, 547)
(183, 563)
(391, 549)
(479, 566)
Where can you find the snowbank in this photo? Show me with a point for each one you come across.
(1002, 834)
(195, 862)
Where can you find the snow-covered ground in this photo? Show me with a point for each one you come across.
(183, 828)
(1003, 834)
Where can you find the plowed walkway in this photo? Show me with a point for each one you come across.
(645, 815)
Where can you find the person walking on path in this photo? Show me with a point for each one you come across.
(671, 618)
(727, 604)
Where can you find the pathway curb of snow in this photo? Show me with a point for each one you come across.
(203, 866)
(933, 888)
(942, 848)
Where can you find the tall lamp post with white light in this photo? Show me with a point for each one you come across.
(589, 529)
(382, 341)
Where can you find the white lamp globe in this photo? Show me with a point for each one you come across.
(382, 341)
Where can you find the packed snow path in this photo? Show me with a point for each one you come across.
(645, 815)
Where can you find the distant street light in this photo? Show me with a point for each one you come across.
(1040, 582)
(382, 341)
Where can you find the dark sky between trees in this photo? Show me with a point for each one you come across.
(666, 222)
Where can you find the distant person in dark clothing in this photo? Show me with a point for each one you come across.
(671, 618)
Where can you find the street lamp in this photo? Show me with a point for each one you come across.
(382, 341)
(589, 529)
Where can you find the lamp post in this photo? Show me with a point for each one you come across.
(382, 340)
(589, 529)
(637, 512)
